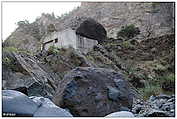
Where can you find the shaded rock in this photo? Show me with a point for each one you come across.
(17, 103)
(121, 114)
(23, 90)
(84, 91)
(92, 29)
(137, 108)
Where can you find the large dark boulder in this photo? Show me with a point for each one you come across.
(92, 29)
(87, 91)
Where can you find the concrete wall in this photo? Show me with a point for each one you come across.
(85, 44)
(68, 38)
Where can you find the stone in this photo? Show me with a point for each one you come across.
(152, 98)
(121, 114)
(171, 100)
(168, 106)
(114, 94)
(92, 29)
(137, 108)
(84, 91)
(157, 106)
(26, 75)
(124, 109)
(18, 103)
(23, 90)
(155, 113)
(163, 96)
(48, 108)
(51, 112)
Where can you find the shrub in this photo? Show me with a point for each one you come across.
(53, 50)
(6, 60)
(13, 49)
(10, 49)
(168, 82)
(127, 45)
(150, 90)
(129, 31)
(170, 77)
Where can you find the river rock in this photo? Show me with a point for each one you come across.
(17, 103)
(48, 109)
(155, 113)
(86, 91)
(121, 114)
(156, 106)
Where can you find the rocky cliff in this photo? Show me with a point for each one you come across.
(153, 19)
(94, 83)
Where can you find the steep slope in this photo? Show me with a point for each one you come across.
(153, 19)
(158, 17)
(28, 35)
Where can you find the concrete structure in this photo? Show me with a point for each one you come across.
(68, 38)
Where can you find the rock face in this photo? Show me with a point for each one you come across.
(156, 106)
(157, 18)
(22, 72)
(90, 92)
(92, 29)
(18, 104)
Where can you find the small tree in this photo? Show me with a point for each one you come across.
(129, 31)
(51, 28)
(22, 23)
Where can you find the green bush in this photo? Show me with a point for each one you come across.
(13, 49)
(53, 50)
(129, 31)
(150, 90)
(6, 60)
(168, 83)
(164, 84)
(127, 45)
(170, 77)
(10, 49)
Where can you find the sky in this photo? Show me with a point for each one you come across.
(12, 12)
